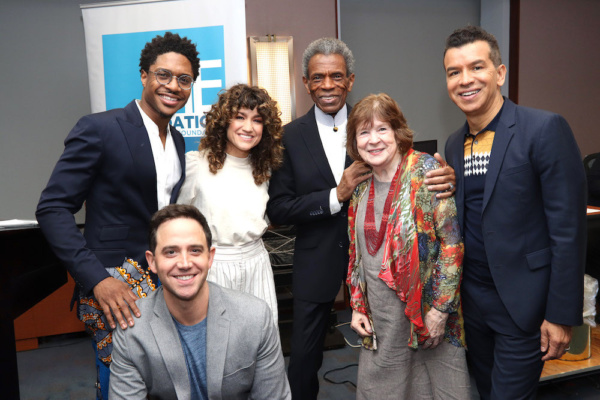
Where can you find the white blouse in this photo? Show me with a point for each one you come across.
(234, 206)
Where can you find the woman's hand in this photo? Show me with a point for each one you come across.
(436, 325)
(360, 324)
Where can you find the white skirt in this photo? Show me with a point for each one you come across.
(246, 268)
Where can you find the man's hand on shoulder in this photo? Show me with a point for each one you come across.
(116, 298)
(356, 173)
(555, 340)
(442, 180)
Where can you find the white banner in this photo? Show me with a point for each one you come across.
(116, 33)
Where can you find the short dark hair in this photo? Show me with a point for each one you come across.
(170, 42)
(385, 109)
(470, 34)
(175, 211)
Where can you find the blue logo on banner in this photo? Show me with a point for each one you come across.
(122, 75)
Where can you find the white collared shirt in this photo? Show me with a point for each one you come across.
(334, 144)
(166, 161)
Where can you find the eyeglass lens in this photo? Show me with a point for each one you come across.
(164, 77)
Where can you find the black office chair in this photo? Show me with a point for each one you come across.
(589, 161)
(591, 164)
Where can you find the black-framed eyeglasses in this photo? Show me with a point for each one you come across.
(164, 77)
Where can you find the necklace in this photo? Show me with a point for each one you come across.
(374, 238)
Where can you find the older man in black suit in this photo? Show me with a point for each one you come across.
(311, 191)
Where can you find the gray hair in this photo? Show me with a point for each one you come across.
(328, 46)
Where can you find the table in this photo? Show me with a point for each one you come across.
(29, 271)
(558, 369)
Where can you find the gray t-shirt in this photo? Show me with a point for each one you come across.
(193, 340)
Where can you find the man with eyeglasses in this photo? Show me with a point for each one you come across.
(125, 164)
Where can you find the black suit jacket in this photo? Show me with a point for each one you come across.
(533, 216)
(299, 195)
(108, 163)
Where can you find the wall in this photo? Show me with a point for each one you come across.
(495, 18)
(46, 83)
(398, 46)
(45, 90)
(305, 20)
(558, 63)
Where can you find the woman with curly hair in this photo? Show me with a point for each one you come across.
(227, 179)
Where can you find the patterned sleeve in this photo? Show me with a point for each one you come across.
(448, 250)
(448, 277)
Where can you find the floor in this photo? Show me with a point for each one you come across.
(63, 368)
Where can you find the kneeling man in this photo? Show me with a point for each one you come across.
(181, 348)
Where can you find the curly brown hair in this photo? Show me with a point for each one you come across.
(267, 155)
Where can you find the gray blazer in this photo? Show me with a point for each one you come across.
(243, 353)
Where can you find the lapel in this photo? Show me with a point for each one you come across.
(502, 137)
(217, 340)
(167, 338)
(310, 135)
(180, 147)
(348, 161)
(140, 150)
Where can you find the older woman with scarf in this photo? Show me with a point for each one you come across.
(405, 265)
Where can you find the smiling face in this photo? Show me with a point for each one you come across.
(376, 145)
(473, 81)
(160, 102)
(327, 82)
(244, 132)
(181, 260)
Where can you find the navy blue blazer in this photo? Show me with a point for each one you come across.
(299, 195)
(108, 163)
(533, 216)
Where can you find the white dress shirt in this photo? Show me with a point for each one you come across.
(334, 144)
(166, 161)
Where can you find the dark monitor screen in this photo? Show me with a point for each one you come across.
(426, 146)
